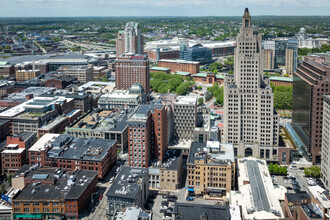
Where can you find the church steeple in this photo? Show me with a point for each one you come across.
(246, 20)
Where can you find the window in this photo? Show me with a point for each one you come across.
(26, 209)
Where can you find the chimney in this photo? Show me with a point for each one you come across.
(204, 216)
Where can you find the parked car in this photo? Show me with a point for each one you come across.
(293, 167)
(101, 197)
(112, 179)
(169, 210)
(164, 204)
(171, 200)
(189, 198)
(173, 197)
(285, 177)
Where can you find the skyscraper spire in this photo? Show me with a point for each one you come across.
(246, 20)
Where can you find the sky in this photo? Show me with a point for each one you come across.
(72, 8)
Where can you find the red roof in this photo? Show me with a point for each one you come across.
(220, 125)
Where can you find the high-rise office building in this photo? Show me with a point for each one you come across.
(147, 131)
(280, 51)
(291, 56)
(185, 114)
(325, 159)
(268, 59)
(132, 69)
(129, 40)
(310, 82)
(196, 53)
(250, 122)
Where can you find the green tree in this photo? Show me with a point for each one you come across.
(9, 178)
(230, 72)
(2, 188)
(276, 169)
(313, 171)
(266, 74)
(7, 47)
(271, 168)
(208, 96)
(199, 87)
(183, 88)
(1, 49)
(219, 96)
(201, 101)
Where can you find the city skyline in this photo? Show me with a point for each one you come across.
(61, 8)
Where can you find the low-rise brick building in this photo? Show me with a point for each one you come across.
(59, 82)
(12, 158)
(64, 151)
(54, 194)
(180, 65)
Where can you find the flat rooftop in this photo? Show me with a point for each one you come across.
(320, 194)
(40, 145)
(186, 100)
(60, 190)
(21, 96)
(171, 160)
(179, 61)
(91, 149)
(213, 152)
(106, 120)
(257, 196)
(95, 84)
(189, 211)
(126, 185)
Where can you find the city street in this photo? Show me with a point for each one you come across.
(100, 211)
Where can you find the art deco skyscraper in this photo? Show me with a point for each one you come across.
(250, 122)
(129, 40)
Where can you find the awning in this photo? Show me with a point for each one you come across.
(28, 216)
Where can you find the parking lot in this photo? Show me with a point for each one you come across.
(298, 177)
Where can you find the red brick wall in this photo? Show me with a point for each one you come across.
(160, 131)
(281, 83)
(147, 142)
(12, 161)
(185, 67)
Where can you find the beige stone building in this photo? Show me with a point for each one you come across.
(81, 73)
(211, 168)
(269, 59)
(167, 175)
(248, 98)
(289, 61)
(23, 75)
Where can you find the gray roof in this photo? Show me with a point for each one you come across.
(191, 211)
(91, 149)
(297, 197)
(126, 183)
(25, 135)
(30, 58)
(171, 160)
(3, 121)
(58, 191)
